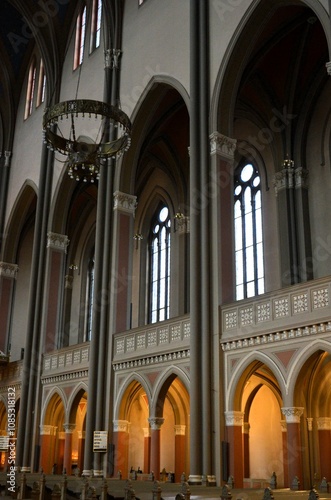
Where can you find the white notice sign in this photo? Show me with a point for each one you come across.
(100, 441)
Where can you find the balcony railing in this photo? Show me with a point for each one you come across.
(166, 340)
(295, 311)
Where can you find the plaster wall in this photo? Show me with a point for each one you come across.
(155, 42)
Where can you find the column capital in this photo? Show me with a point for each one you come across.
(68, 281)
(57, 241)
(323, 423)
(222, 145)
(301, 178)
(292, 414)
(310, 423)
(283, 425)
(182, 223)
(328, 67)
(246, 427)
(7, 155)
(234, 418)
(125, 202)
(69, 428)
(155, 423)
(180, 430)
(8, 270)
(112, 57)
(121, 426)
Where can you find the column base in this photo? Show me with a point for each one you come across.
(97, 473)
(25, 469)
(87, 473)
(195, 479)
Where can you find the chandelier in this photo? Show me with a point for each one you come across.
(80, 129)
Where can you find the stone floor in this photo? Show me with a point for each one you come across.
(144, 489)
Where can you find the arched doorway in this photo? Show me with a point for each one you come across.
(52, 437)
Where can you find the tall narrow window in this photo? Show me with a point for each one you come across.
(41, 84)
(90, 296)
(96, 24)
(248, 232)
(80, 38)
(30, 90)
(160, 266)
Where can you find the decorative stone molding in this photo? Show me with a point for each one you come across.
(47, 430)
(289, 178)
(125, 202)
(57, 242)
(301, 178)
(112, 57)
(156, 423)
(234, 418)
(121, 426)
(61, 435)
(182, 224)
(328, 67)
(81, 434)
(283, 425)
(323, 423)
(64, 377)
(292, 414)
(222, 145)
(8, 270)
(180, 430)
(294, 333)
(310, 423)
(150, 360)
(69, 428)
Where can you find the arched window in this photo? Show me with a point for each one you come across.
(30, 90)
(89, 300)
(80, 38)
(41, 84)
(159, 275)
(248, 232)
(96, 24)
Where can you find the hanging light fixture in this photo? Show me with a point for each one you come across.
(79, 129)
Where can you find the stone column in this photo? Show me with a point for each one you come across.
(222, 150)
(60, 451)
(147, 450)
(81, 446)
(121, 446)
(4, 179)
(324, 441)
(294, 446)
(305, 269)
(234, 425)
(67, 460)
(57, 248)
(312, 461)
(46, 445)
(124, 209)
(246, 427)
(155, 423)
(180, 451)
(285, 454)
(8, 275)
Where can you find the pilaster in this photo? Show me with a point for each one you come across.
(8, 275)
(294, 445)
(124, 210)
(155, 424)
(56, 250)
(121, 430)
(234, 426)
(324, 440)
